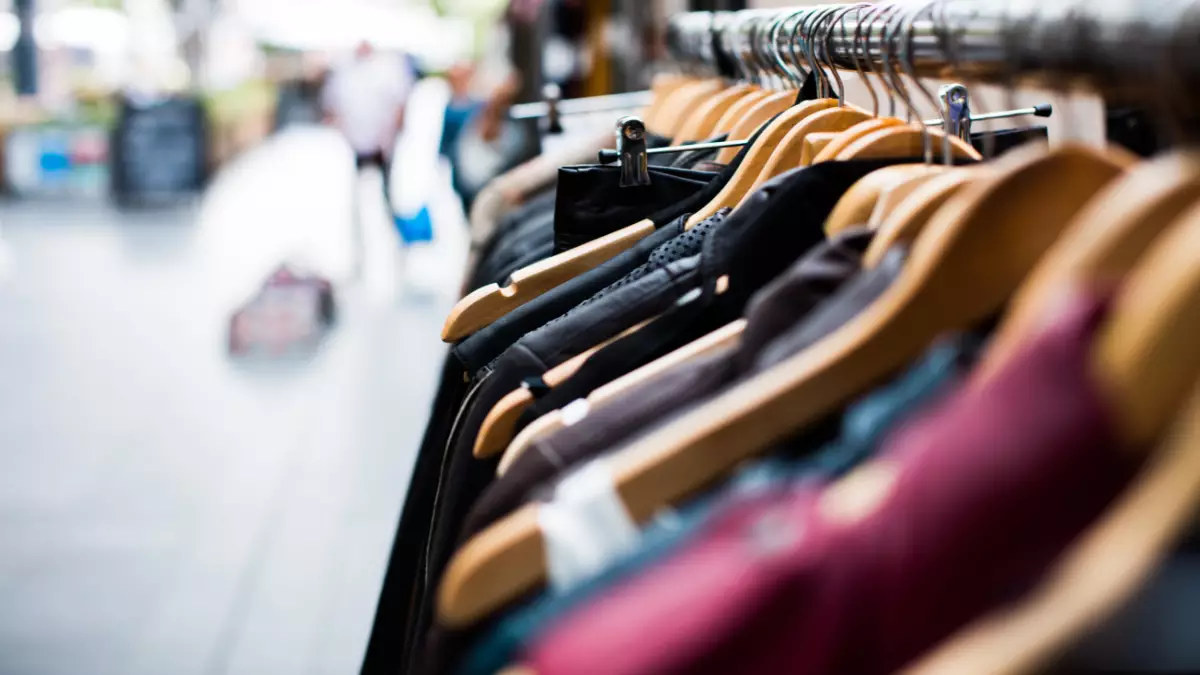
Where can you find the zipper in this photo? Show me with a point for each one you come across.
(480, 378)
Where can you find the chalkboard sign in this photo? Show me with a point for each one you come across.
(159, 150)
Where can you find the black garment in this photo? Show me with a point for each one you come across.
(692, 315)
(793, 296)
(816, 276)
(689, 205)
(528, 241)
(492, 255)
(386, 650)
(465, 477)
(480, 349)
(685, 244)
(380, 160)
(996, 143)
(854, 296)
(591, 202)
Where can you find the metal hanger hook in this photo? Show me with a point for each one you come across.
(794, 74)
(811, 37)
(837, 19)
(908, 31)
(886, 74)
(871, 12)
(797, 41)
(760, 32)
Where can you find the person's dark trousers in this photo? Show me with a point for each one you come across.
(380, 160)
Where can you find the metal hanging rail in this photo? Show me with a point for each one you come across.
(1120, 48)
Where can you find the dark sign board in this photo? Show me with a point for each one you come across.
(159, 150)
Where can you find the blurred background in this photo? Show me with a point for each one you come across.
(200, 473)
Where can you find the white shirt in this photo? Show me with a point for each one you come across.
(366, 95)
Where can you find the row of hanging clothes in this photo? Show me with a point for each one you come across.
(770, 382)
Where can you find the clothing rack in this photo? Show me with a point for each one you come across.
(1116, 52)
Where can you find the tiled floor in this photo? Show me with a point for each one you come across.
(164, 510)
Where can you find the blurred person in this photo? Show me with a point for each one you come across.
(489, 142)
(463, 105)
(365, 99)
(461, 110)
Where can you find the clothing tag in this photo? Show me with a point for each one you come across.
(536, 386)
(689, 297)
(575, 411)
(585, 527)
(860, 494)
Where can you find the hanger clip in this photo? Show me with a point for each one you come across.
(956, 110)
(631, 148)
(552, 95)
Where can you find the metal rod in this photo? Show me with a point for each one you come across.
(581, 106)
(608, 156)
(1041, 110)
(1068, 43)
(716, 145)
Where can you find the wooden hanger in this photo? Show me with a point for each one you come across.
(662, 87)
(701, 121)
(965, 265)
(1103, 243)
(743, 179)
(757, 116)
(684, 100)
(497, 428)
(553, 421)
(479, 308)
(1147, 359)
(893, 196)
(790, 151)
(904, 141)
(737, 111)
(858, 204)
(845, 138)
(1142, 350)
(813, 145)
(911, 216)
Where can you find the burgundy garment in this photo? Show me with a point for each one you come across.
(987, 489)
